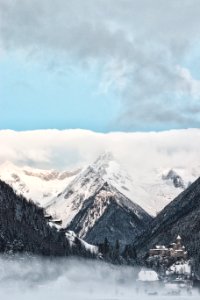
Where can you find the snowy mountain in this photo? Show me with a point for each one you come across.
(150, 159)
(86, 184)
(94, 206)
(38, 185)
(63, 192)
(152, 192)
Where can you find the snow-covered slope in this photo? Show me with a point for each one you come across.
(86, 184)
(154, 189)
(38, 185)
(72, 238)
(151, 191)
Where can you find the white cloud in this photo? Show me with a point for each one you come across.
(115, 76)
(69, 149)
(188, 84)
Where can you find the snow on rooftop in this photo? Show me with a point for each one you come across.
(181, 268)
(147, 275)
(161, 247)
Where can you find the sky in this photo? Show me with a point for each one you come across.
(102, 65)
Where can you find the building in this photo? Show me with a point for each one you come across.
(147, 275)
(176, 250)
(160, 250)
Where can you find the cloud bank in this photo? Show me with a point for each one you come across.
(140, 45)
(70, 149)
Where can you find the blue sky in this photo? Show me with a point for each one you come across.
(32, 97)
(102, 65)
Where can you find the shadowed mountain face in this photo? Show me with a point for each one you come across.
(109, 214)
(180, 217)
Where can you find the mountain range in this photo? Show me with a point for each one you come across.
(152, 190)
(100, 200)
(96, 202)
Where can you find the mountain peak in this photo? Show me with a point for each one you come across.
(106, 156)
(104, 171)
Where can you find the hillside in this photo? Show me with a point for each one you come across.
(180, 217)
(23, 228)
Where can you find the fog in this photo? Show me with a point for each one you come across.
(36, 278)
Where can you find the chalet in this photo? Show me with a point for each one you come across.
(57, 221)
(159, 250)
(176, 250)
(51, 220)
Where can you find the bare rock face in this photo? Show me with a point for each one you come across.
(175, 179)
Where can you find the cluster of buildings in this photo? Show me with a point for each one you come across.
(176, 250)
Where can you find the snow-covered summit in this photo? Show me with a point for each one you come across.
(36, 184)
(104, 170)
(107, 167)
(94, 205)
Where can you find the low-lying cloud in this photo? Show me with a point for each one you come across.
(38, 278)
(74, 279)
